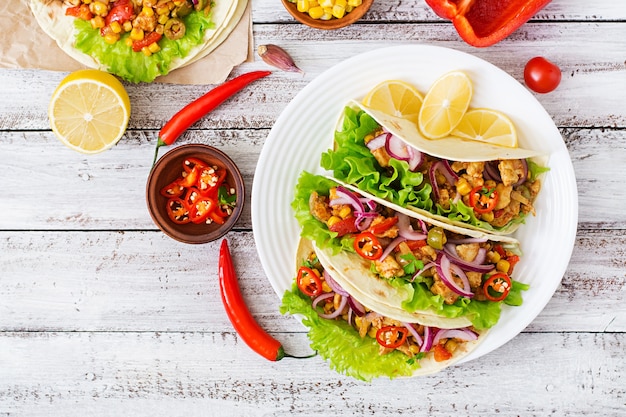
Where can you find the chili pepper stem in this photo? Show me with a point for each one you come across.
(312, 355)
(156, 150)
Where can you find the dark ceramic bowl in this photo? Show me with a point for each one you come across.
(333, 23)
(170, 167)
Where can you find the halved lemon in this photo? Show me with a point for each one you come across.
(487, 125)
(445, 104)
(89, 111)
(396, 98)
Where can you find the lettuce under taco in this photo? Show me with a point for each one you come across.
(361, 341)
(464, 183)
(410, 263)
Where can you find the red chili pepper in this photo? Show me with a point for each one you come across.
(497, 287)
(173, 190)
(195, 110)
(344, 227)
(485, 22)
(483, 200)
(391, 336)
(383, 226)
(240, 317)
(368, 246)
(178, 211)
(308, 282)
(201, 209)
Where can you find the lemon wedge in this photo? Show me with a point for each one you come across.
(445, 104)
(89, 111)
(395, 98)
(487, 125)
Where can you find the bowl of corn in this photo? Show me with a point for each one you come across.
(327, 14)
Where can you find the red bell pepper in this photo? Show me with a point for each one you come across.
(483, 23)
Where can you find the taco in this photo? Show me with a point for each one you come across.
(359, 340)
(405, 261)
(465, 183)
(137, 41)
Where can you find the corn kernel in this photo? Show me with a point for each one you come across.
(349, 8)
(162, 19)
(372, 332)
(159, 29)
(154, 47)
(147, 11)
(463, 186)
(341, 3)
(503, 265)
(339, 11)
(98, 8)
(128, 26)
(488, 217)
(86, 1)
(326, 287)
(414, 349)
(136, 34)
(115, 27)
(326, 3)
(316, 12)
(111, 37)
(146, 51)
(128, 41)
(302, 6)
(97, 22)
(493, 256)
(355, 3)
(345, 212)
(333, 221)
(163, 10)
(328, 13)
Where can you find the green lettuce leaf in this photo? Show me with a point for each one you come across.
(119, 58)
(340, 344)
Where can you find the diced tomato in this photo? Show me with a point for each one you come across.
(148, 40)
(415, 244)
(121, 12)
(441, 353)
(383, 226)
(81, 12)
(344, 227)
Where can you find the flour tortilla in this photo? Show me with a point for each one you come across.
(428, 365)
(50, 14)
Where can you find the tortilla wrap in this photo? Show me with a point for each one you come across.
(50, 15)
(357, 168)
(351, 361)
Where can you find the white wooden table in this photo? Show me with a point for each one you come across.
(102, 314)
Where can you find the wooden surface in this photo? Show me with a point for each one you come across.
(101, 314)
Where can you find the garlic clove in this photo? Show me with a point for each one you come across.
(277, 57)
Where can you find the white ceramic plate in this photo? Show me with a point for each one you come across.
(305, 129)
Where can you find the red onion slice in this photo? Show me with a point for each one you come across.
(421, 271)
(322, 297)
(336, 313)
(378, 142)
(524, 176)
(391, 247)
(464, 334)
(414, 333)
(396, 148)
(416, 158)
(428, 339)
(357, 307)
(450, 250)
(432, 177)
(334, 285)
(492, 171)
(444, 271)
(406, 230)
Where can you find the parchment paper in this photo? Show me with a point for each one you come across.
(25, 45)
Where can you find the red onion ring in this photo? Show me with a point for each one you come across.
(421, 271)
(396, 148)
(322, 297)
(334, 285)
(336, 313)
(416, 158)
(428, 339)
(378, 142)
(357, 307)
(414, 333)
(450, 250)
(406, 230)
(492, 171)
(444, 270)
(524, 176)
(391, 247)
(464, 334)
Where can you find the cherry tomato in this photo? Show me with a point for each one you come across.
(541, 75)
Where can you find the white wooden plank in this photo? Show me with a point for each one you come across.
(174, 374)
(72, 191)
(96, 281)
(593, 72)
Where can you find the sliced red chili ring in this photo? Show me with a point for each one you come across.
(191, 162)
(178, 211)
(497, 286)
(210, 179)
(483, 200)
(191, 178)
(173, 190)
(309, 282)
(391, 336)
(368, 246)
(201, 209)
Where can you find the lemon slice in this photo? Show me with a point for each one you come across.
(445, 104)
(486, 125)
(89, 111)
(396, 98)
